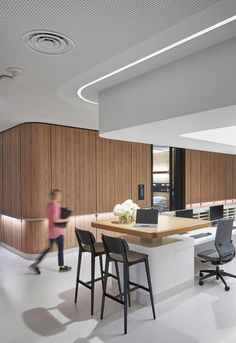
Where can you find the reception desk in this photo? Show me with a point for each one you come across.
(171, 252)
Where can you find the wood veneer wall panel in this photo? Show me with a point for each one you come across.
(34, 236)
(207, 173)
(105, 175)
(35, 169)
(219, 177)
(123, 163)
(84, 223)
(69, 237)
(11, 172)
(234, 177)
(85, 171)
(12, 232)
(16, 170)
(195, 161)
(141, 172)
(229, 177)
(7, 176)
(187, 176)
(63, 163)
(1, 170)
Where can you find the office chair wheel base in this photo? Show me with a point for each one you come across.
(200, 274)
(201, 283)
(227, 288)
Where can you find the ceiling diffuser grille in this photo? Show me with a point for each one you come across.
(48, 42)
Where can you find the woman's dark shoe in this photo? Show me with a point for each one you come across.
(35, 268)
(64, 269)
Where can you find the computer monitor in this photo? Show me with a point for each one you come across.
(216, 212)
(184, 213)
(147, 216)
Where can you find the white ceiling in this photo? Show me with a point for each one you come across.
(107, 35)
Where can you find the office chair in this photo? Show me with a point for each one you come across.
(224, 253)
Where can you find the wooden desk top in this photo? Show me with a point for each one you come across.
(167, 226)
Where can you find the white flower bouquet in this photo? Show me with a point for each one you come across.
(126, 211)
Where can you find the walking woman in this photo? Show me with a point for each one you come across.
(55, 232)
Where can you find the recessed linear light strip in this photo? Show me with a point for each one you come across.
(156, 53)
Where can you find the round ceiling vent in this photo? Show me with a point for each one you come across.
(48, 42)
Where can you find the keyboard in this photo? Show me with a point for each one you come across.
(200, 235)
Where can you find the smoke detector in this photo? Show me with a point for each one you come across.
(48, 42)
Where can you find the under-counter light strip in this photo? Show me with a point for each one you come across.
(156, 53)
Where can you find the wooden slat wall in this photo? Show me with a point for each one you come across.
(234, 177)
(105, 174)
(11, 172)
(229, 176)
(93, 173)
(63, 163)
(35, 169)
(85, 171)
(209, 176)
(141, 171)
(123, 171)
(1, 170)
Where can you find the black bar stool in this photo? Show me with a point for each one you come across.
(87, 243)
(117, 250)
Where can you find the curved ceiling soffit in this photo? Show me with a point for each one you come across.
(152, 55)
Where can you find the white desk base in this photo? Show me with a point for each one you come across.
(171, 267)
(173, 263)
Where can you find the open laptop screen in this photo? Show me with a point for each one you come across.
(147, 216)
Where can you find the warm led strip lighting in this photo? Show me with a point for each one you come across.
(156, 53)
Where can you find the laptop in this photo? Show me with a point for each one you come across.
(146, 218)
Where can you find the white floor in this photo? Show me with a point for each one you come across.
(40, 308)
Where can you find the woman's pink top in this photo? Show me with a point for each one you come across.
(53, 214)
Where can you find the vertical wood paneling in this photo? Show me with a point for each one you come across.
(84, 223)
(35, 172)
(207, 175)
(34, 236)
(234, 176)
(7, 176)
(187, 176)
(105, 174)
(11, 172)
(69, 238)
(123, 163)
(1, 170)
(85, 171)
(215, 172)
(16, 171)
(195, 162)
(228, 177)
(141, 172)
(218, 177)
(63, 163)
(93, 173)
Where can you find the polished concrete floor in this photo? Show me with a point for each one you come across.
(40, 308)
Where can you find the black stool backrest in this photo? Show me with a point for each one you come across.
(115, 245)
(85, 237)
(223, 240)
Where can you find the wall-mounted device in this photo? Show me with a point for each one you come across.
(140, 192)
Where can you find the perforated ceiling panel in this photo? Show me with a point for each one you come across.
(99, 29)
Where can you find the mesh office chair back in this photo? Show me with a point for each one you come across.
(223, 240)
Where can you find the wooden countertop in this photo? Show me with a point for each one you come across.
(167, 226)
